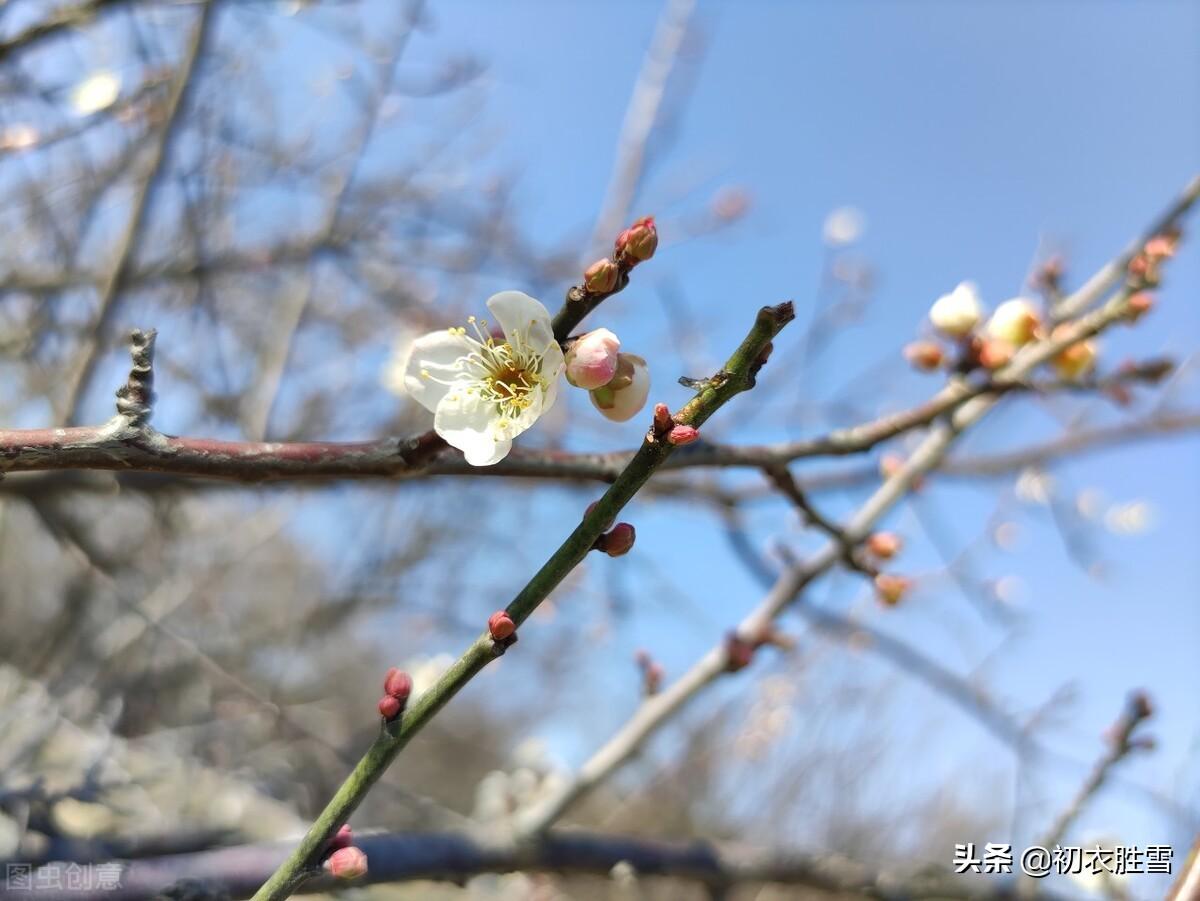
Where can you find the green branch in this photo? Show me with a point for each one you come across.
(737, 375)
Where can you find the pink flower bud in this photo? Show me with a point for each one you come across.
(924, 355)
(683, 434)
(1161, 246)
(994, 353)
(592, 359)
(398, 684)
(347, 863)
(622, 398)
(619, 541)
(638, 242)
(343, 839)
(1139, 305)
(501, 625)
(389, 707)
(601, 277)
(884, 545)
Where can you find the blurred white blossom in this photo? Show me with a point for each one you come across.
(96, 92)
(1130, 518)
(843, 226)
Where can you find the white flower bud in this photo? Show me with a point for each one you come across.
(1015, 321)
(957, 313)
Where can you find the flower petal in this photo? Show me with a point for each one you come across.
(439, 354)
(517, 312)
(471, 424)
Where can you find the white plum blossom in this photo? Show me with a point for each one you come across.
(98, 91)
(957, 313)
(485, 391)
(843, 226)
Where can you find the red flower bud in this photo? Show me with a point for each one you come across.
(398, 684)
(619, 541)
(638, 242)
(347, 863)
(683, 434)
(389, 707)
(601, 277)
(501, 625)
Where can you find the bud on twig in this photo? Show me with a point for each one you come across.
(683, 434)
(891, 589)
(924, 355)
(591, 360)
(501, 626)
(346, 863)
(638, 242)
(957, 313)
(1015, 322)
(994, 353)
(1139, 305)
(601, 277)
(398, 684)
(1076, 360)
(389, 707)
(884, 545)
(618, 542)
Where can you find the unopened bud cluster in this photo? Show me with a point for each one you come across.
(982, 342)
(617, 383)
(397, 686)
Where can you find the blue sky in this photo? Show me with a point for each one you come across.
(971, 135)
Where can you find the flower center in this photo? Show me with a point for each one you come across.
(505, 374)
